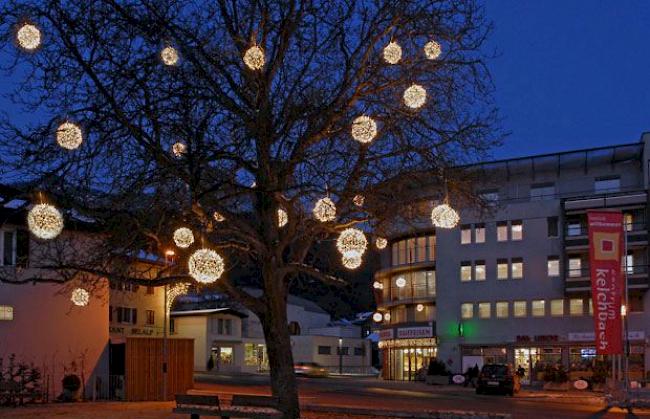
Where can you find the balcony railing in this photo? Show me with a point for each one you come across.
(578, 230)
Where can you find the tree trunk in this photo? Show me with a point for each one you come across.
(278, 346)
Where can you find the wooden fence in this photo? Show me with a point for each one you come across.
(144, 368)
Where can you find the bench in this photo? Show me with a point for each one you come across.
(242, 406)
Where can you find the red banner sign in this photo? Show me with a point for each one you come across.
(607, 286)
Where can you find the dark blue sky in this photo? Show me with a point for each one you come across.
(571, 74)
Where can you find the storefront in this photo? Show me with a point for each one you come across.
(406, 351)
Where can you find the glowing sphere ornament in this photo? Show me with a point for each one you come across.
(218, 217)
(28, 37)
(45, 221)
(169, 56)
(432, 50)
(387, 317)
(392, 53)
(377, 317)
(351, 242)
(351, 261)
(80, 297)
(178, 149)
(205, 266)
(69, 135)
(381, 243)
(400, 282)
(378, 285)
(183, 237)
(283, 217)
(324, 210)
(444, 216)
(419, 307)
(358, 200)
(254, 58)
(364, 129)
(415, 96)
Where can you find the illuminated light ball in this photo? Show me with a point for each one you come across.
(392, 53)
(351, 241)
(324, 210)
(169, 55)
(45, 221)
(419, 307)
(205, 266)
(218, 217)
(387, 317)
(377, 317)
(80, 297)
(178, 149)
(28, 37)
(444, 216)
(283, 217)
(69, 135)
(183, 237)
(358, 200)
(377, 285)
(254, 58)
(364, 129)
(351, 260)
(381, 243)
(432, 50)
(400, 282)
(415, 96)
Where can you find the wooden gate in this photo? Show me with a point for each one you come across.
(144, 368)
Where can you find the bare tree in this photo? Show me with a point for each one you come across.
(256, 140)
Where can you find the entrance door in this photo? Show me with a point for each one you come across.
(524, 357)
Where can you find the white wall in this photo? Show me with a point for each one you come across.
(194, 327)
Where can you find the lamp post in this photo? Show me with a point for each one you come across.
(169, 260)
(341, 356)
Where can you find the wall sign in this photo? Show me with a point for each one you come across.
(414, 332)
(386, 334)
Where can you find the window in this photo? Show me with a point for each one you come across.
(552, 227)
(553, 266)
(465, 271)
(479, 233)
(575, 267)
(467, 310)
(150, 317)
(502, 231)
(479, 270)
(255, 354)
(22, 248)
(466, 234)
(538, 308)
(6, 313)
(8, 253)
(502, 309)
(422, 316)
(150, 290)
(576, 307)
(225, 355)
(574, 228)
(557, 307)
(604, 185)
(628, 221)
(421, 249)
(224, 327)
(431, 247)
(590, 307)
(324, 350)
(484, 310)
(517, 268)
(294, 328)
(519, 308)
(516, 230)
(629, 263)
(502, 268)
(542, 191)
(127, 315)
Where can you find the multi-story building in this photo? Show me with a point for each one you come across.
(511, 283)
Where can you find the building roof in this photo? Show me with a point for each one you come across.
(222, 310)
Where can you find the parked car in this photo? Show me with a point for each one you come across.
(497, 378)
(309, 369)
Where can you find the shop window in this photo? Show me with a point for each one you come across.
(467, 310)
(516, 230)
(466, 234)
(519, 308)
(151, 317)
(502, 309)
(552, 227)
(479, 233)
(225, 355)
(557, 307)
(6, 313)
(553, 266)
(604, 185)
(575, 267)
(484, 310)
(538, 308)
(517, 268)
(465, 271)
(502, 231)
(324, 350)
(542, 192)
(576, 307)
(479, 270)
(502, 268)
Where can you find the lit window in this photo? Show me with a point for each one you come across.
(628, 221)
(607, 185)
(479, 233)
(502, 231)
(557, 308)
(574, 228)
(502, 309)
(590, 307)
(553, 266)
(484, 310)
(576, 308)
(516, 230)
(519, 308)
(575, 267)
(465, 271)
(466, 234)
(629, 263)
(541, 192)
(538, 308)
(479, 270)
(6, 313)
(517, 268)
(467, 310)
(502, 268)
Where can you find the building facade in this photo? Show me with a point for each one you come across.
(511, 283)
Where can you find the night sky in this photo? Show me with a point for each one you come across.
(568, 73)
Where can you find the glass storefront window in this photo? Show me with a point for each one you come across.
(255, 355)
(409, 363)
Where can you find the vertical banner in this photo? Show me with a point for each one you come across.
(607, 286)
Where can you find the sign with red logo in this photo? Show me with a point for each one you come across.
(607, 286)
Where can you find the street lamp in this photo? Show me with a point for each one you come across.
(340, 356)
